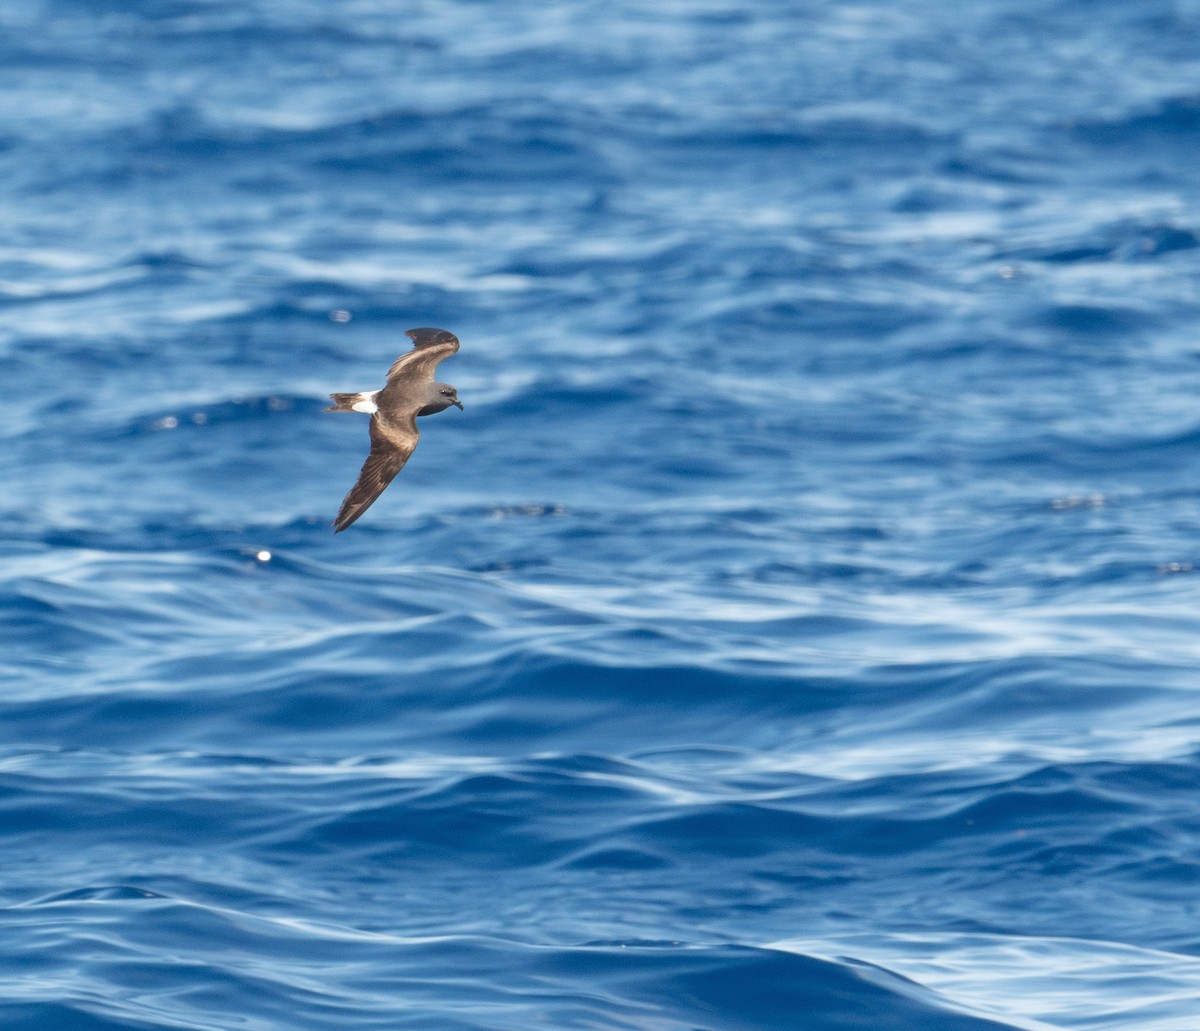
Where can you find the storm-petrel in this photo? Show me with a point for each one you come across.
(410, 391)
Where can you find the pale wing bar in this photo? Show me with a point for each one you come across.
(430, 346)
(391, 447)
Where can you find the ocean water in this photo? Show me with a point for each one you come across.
(800, 626)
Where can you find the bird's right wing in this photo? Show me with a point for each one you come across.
(391, 446)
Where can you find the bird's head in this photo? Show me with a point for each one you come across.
(438, 397)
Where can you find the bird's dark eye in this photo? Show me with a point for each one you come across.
(447, 393)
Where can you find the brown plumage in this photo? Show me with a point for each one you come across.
(410, 391)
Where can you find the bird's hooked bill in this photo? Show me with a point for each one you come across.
(458, 404)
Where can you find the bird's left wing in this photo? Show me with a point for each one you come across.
(430, 346)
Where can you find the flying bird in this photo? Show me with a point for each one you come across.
(410, 391)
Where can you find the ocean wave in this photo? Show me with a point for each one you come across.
(798, 625)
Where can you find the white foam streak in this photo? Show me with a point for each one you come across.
(1022, 980)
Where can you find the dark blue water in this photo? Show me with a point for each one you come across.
(798, 629)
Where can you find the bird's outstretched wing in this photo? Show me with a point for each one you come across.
(391, 445)
(430, 346)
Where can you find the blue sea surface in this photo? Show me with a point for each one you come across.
(799, 628)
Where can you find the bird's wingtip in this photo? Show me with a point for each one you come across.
(428, 336)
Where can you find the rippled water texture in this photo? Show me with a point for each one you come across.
(798, 628)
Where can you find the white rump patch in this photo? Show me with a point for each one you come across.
(366, 403)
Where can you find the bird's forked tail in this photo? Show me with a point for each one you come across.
(361, 402)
